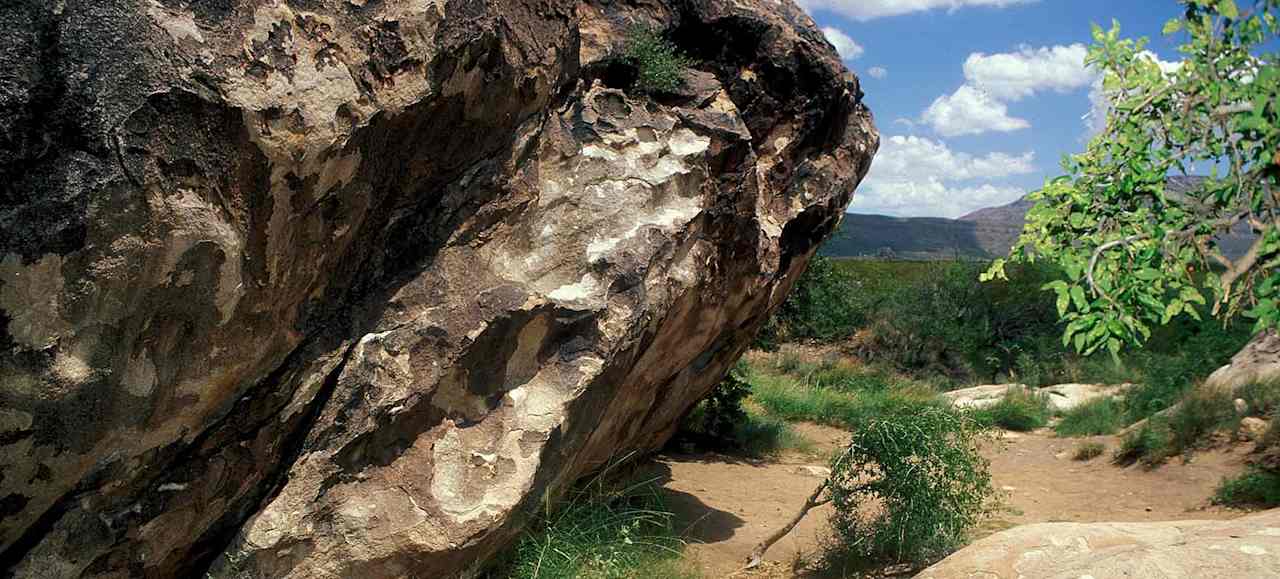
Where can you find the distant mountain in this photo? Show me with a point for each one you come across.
(983, 234)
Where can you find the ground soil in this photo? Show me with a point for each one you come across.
(726, 504)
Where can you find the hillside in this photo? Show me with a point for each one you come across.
(983, 234)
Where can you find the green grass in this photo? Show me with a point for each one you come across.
(1020, 410)
(1262, 398)
(1089, 451)
(1096, 417)
(760, 436)
(605, 529)
(786, 398)
(1255, 488)
(1200, 414)
(1149, 444)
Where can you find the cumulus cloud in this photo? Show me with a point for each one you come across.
(970, 111)
(917, 176)
(877, 72)
(864, 10)
(845, 45)
(1012, 76)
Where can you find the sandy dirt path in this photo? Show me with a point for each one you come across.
(726, 505)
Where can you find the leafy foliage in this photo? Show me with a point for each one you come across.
(659, 64)
(1255, 488)
(910, 485)
(1137, 250)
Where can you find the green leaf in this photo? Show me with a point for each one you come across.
(1228, 8)
(1077, 296)
(1172, 26)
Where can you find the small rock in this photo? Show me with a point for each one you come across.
(1008, 488)
(1242, 407)
(1252, 428)
(814, 471)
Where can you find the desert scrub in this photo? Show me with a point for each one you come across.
(659, 64)
(606, 529)
(1020, 410)
(1089, 451)
(1096, 417)
(1148, 444)
(1255, 488)
(909, 487)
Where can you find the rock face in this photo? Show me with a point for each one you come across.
(343, 288)
(1259, 360)
(1243, 548)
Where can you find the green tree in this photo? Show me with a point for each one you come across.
(1138, 248)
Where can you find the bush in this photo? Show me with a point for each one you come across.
(1149, 444)
(1020, 410)
(1254, 488)
(659, 64)
(910, 486)
(1089, 451)
(826, 305)
(605, 529)
(1201, 413)
(1096, 417)
(718, 415)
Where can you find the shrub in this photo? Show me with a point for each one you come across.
(1089, 450)
(1201, 413)
(1020, 409)
(718, 415)
(659, 64)
(1148, 444)
(1254, 488)
(1262, 397)
(910, 485)
(824, 305)
(606, 529)
(1095, 417)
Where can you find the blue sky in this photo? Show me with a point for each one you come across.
(976, 100)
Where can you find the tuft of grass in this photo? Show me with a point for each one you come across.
(1149, 444)
(1093, 418)
(760, 436)
(1201, 413)
(1089, 450)
(1255, 488)
(789, 399)
(1020, 410)
(606, 529)
(659, 64)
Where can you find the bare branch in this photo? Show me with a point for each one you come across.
(757, 554)
(1093, 263)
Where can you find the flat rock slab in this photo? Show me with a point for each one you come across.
(1062, 397)
(1246, 547)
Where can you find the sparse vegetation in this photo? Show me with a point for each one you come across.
(1147, 444)
(1256, 488)
(1020, 410)
(659, 64)
(1089, 451)
(910, 486)
(608, 528)
(1093, 418)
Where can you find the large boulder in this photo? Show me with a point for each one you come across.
(1060, 397)
(1244, 548)
(343, 288)
(1258, 361)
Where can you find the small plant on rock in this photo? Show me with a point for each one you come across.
(659, 64)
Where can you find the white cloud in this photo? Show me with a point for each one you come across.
(1012, 76)
(845, 45)
(970, 111)
(870, 9)
(921, 177)
(877, 72)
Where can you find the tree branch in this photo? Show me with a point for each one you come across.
(1093, 263)
(757, 554)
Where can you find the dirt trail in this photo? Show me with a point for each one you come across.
(727, 505)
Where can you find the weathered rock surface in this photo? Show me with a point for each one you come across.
(1061, 397)
(1243, 548)
(1259, 360)
(339, 288)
